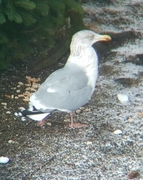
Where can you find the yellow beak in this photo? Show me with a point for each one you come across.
(104, 38)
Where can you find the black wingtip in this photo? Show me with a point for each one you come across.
(27, 112)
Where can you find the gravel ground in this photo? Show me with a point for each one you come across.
(111, 146)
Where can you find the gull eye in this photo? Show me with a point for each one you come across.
(91, 36)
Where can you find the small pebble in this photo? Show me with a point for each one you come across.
(11, 141)
(19, 114)
(48, 123)
(81, 108)
(78, 111)
(3, 103)
(16, 114)
(118, 131)
(8, 112)
(18, 91)
(130, 119)
(12, 96)
(89, 142)
(20, 83)
(66, 120)
(122, 98)
(16, 97)
(4, 160)
(87, 110)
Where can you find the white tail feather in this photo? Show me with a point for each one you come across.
(38, 117)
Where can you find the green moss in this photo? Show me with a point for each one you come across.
(26, 25)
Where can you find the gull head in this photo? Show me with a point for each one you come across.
(86, 38)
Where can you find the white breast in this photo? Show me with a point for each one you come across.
(88, 61)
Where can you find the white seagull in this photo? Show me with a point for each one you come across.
(72, 86)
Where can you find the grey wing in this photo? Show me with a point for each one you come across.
(65, 89)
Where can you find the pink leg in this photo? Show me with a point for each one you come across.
(41, 123)
(75, 125)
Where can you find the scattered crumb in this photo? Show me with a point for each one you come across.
(26, 99)
(32, 89)
(28, 88)
(8, 96)
(20, 95)
(21, 108)
(28, 85)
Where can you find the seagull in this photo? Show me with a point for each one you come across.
(72, 86)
